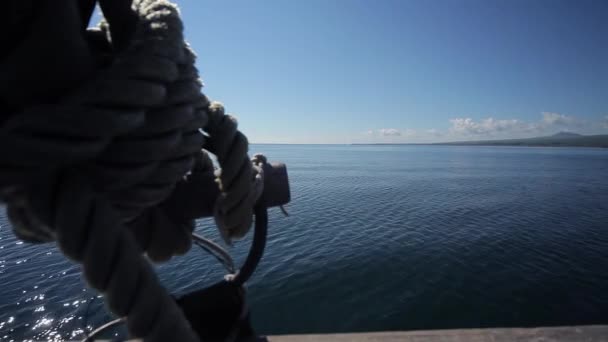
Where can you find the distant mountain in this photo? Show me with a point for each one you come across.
(563, 139)
(566, 135)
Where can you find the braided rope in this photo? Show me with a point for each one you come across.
(234, 208)
(95, 171)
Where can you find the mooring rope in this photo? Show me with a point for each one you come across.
(96, 169)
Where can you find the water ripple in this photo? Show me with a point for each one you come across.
(382, 238)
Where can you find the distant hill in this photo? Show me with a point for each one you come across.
(566, 135)
(563, 139)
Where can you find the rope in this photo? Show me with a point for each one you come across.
(96, 168)
(104, 327)
(234, 209)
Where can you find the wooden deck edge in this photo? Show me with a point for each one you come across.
(589, 333)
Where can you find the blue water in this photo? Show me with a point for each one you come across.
(382, 238)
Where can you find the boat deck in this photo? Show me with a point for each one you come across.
(591, 333)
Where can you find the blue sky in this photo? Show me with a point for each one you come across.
(344, 71)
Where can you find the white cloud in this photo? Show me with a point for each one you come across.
(549, 123)
(606, 121)
(550, 118)
(434, 132)
(389, 132)
(488, 126)
(410, 132)
(392, 132)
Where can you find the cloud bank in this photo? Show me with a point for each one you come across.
(489, 126)
(466, 128)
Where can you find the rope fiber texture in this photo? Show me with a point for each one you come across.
(95, 168)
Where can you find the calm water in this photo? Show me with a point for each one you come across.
(383, 238)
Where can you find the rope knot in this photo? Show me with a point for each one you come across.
(259, 158)
(96, 169)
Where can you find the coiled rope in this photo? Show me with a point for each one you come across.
(95, 169)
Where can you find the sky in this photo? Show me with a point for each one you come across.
(369, 71)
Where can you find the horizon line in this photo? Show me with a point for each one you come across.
(452, 142)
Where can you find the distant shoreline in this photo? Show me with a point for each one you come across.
(419, 144)
(562, 139)
(453, 144)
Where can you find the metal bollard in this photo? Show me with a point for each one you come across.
(276, 185)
